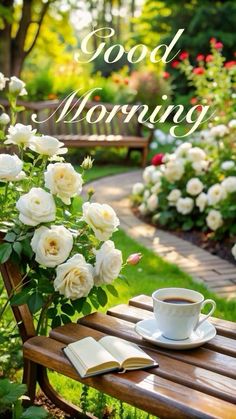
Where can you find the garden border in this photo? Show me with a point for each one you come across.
(218, 275)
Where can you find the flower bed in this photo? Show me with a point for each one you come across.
(193, 188)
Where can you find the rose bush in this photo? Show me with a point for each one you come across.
(195, 186)
(62, 244)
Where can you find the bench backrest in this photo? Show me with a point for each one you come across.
(13, 280)
(45, 109)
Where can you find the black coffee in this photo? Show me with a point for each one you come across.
(176, 300)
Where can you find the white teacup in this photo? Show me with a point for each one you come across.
(178, 319)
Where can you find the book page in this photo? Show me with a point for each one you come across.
(123, 350)
(91, 354)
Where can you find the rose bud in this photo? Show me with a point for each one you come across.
(157, 160)
(87, 163)
(134, 259)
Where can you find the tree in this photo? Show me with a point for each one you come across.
(14, 31)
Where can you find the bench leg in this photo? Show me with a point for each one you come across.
(56, 399)
(30, 379)
(144, 156)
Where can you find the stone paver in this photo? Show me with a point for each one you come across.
(218, 275)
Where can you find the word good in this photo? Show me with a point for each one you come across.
(74, 110)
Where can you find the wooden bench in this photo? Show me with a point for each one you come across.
(199, 383)
(87, 135)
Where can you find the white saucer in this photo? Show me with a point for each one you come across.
(148, 330)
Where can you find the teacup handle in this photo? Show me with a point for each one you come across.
(212, 302)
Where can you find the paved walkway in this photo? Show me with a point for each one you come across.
(218, 274)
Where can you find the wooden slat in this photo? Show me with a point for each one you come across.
(134, 314)
(142, 389)
(224, 327)
(204, 358)
(174, 370)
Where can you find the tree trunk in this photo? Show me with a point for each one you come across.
(132, 10)
(5, 41)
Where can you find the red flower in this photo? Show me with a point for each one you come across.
(209, 58)
(199, 108)
(198, 70)
(218, 45)
(97, 98)
(126, 80)
(200, 57)
(213, 41)
(184, 55)
(175, 64)
(230, 64)
(166, 75)
(193, 101)
(157, 159)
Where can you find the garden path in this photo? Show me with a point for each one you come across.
(217, 274)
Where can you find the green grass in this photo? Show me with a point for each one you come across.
(98, 172)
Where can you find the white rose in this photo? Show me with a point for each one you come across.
(232, 123)
(35, 207)
(138, 188)
(143, 209)
(52, 246)
(63, 181)
(233, 250)
(200, 167)
(156, 176)
(183, 149)
(3, 81)
(74, 278)
(202, 201)
(20, 134)
(47, 146)
(219, 131)
(196, 155)
(10, 168)
(152, 202)
(147, 173)
(146, 194)
(156, 188)
(227, 165)
(229, 184)
(108, 263)
(17, 86)
(214, 220)
(173, 196)
(101, 218)
(215, 194)
(174, 170)
(4, 119)
(194, 187)
(184, 205)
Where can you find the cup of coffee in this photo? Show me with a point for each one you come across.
(177, 311)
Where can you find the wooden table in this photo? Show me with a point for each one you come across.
(198, 383)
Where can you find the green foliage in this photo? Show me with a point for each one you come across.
(10, 401)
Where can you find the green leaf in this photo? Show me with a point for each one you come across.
(5, 252)
(26, 248)
(113, 291)
(45, 286)
(188, 225)
(94, 300)
(10, 237)
(65, 319)
(21, 297)
(102, 297)
(35, 302)
(56, 322)
(86, 308)
(52, 312)
(10, 392)
(78, 304)
(68, 309)
(34, 412)
(17, 247)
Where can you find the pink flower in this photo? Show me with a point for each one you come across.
(134, 258)
(230, 64)
(200, 57)
(183, 56)
(213, 41)
(175, 64)
(166, 75)
(157, 159)
(198, 70)
(218, 45)
(193, 101)
(209, 58)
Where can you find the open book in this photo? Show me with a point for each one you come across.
(91, 357)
